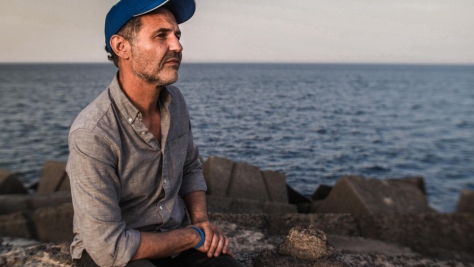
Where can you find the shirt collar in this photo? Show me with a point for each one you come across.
(128, 110)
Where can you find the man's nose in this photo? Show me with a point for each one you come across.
(175, 45)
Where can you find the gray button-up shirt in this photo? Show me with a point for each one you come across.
(124, 180)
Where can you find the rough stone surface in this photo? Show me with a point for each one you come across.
(10, 184)
(306, 244)
(254, 246)
(33, 254)
(466, 201)
(268, 258)
(23, 202)
(357, 244)
(321, 192)
(276, 186)
(247, 182)
(217, 172)
(357, 195)
(425, 233)
(53, 177)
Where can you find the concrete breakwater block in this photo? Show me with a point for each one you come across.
(24, 202)
(247, 182)
(49, 224)
(226, 178)
(217, 172)
(54, 177)
(358, 195)
(276, 186)
(10, 184)
(247, 206)
(466, 201)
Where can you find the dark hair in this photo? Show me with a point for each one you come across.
(128, 31)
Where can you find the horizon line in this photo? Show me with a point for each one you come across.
(250, 63)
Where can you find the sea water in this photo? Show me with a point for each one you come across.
(313, 122)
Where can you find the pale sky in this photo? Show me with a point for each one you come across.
(319, 31)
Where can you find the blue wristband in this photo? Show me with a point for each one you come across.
(201, 233)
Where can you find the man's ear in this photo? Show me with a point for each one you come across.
(121, 46)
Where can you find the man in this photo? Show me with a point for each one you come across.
(134, 169)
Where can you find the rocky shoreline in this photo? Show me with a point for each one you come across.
(254, 247)
(357, 222)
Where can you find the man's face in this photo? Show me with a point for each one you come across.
(156, 50)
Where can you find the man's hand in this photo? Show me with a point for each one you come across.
(216, 242)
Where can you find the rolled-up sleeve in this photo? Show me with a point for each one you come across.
(95, 189)
(193, 178)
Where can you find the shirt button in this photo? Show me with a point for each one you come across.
(130, 120)
(161, 207)
(143, 133)
(165, 181)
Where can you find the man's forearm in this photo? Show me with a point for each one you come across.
(196, 205)
(160, 245)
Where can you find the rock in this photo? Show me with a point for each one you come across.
(357, 195)
(10, 184)
(247, 182)
(217, 172)
(306, 244)
(321, 192)
(367, 245)
(276, 186)
(294, 197)
(54, 177)
(17, 253)
(466, 201)
(268, 258)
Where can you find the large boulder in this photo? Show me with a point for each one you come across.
(10, 184)
(357, 195)
(306, 244)
(466, 201)
(54, 177)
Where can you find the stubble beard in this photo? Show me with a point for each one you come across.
(152, 72)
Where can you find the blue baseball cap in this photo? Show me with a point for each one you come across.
(125, 10)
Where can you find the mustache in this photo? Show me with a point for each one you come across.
(172, 55)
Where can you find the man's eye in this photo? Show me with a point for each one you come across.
(161, 35)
